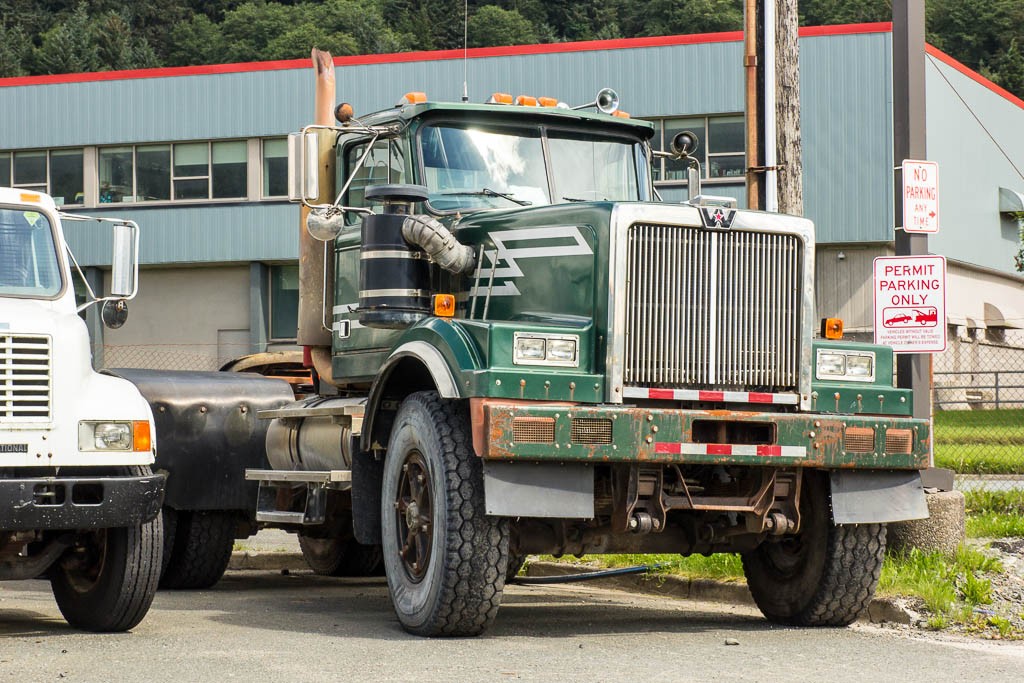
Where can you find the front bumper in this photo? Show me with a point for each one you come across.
(79, 502)
(666, 436)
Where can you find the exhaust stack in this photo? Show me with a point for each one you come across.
(316, 259)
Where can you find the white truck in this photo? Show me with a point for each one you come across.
(79, 502)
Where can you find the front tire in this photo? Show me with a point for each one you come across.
(445, 559)
(107, 580)
(824, 576)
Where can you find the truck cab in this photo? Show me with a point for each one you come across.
(79, 502)
(522, 350)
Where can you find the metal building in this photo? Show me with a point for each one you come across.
(196, 155)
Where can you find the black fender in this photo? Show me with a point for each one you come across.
(207, 433)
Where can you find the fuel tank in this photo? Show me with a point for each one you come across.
(317, 438)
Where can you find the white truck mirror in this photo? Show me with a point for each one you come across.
(302, 167)
(124, 277)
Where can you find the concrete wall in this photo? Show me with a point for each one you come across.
(183, 319)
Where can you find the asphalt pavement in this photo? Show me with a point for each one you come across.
(269, 626)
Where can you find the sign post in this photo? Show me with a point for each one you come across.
(910, 303)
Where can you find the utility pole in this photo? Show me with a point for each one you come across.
(773, 106)
(913, 370)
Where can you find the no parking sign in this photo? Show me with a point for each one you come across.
(910, 303)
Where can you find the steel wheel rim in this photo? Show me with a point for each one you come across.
(84, 566)
(414, 516)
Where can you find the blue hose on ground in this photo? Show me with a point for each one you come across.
(587, 576)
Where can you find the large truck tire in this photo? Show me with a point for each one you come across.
(341, 556)
(445, 559)
(107, 580)
(201, 550)
(824, 576)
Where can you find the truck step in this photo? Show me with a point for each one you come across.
(336, 477)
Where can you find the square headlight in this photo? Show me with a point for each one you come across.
(831, 365)
(529, 349)
(860, 366)
(537, 348)
(105, 436)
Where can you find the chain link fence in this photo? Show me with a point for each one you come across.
(979, 408)
(169, 356)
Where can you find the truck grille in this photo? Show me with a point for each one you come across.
(712, 309)
(24, 378)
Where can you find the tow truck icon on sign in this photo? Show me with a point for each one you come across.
(926, 316)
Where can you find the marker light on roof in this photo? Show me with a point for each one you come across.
(547, 101)
(412, 98)
(526, 101)
(500, 98)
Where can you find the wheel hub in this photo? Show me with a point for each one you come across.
(413, 522)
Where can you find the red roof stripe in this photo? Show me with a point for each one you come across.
(973, 75)
(438, 55)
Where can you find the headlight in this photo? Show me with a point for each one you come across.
(850, 366)
(105, 436)
(546, 349)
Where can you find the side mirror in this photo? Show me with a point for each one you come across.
(693, 178)
(114, 313)
(124, 276)
(302, 167)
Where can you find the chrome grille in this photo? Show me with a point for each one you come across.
(24, 378)
(589, 431)
(712, 309)
(533, 430)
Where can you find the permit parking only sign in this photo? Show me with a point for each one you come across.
(910, 303)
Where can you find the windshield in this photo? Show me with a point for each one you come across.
(28, 257)
(470, 168)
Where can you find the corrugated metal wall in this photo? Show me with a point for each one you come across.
(978, 142)
(846, 113)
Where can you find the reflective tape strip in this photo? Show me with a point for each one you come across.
(391, 253)
(728, 449)
(711, 396)
(377, 293)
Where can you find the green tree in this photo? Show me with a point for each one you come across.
(828, 12)
(197, 41)
(669, 17)
(491, 25)
(14, 48)
(68, 47)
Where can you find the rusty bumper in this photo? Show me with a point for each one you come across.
(533, 430)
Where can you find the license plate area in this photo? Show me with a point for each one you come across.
(734, 432)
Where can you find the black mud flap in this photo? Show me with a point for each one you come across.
(874, 496)
(367, 479)
(207, 433)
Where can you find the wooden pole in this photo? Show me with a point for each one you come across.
(752, 118)
(787, 72)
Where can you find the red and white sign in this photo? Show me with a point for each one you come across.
(910, 303)
(920, 196)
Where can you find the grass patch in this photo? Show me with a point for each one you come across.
(721, 566)
(1007, 502)
(980, 441)
(951, 588)
(984, 459)
(994, 525)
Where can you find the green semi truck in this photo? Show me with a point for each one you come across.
(517, 348)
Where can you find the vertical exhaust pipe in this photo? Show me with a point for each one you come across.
(316, 259)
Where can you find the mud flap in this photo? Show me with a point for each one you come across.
(865, 497)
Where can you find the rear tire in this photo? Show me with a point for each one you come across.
(203, 540)
(445, 558)
(824, 576)
(341, 557)
(107, 580)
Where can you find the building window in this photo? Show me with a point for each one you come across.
(275, 167)
(284, 302)
(720, 148)
(183, 171)
(58, 173)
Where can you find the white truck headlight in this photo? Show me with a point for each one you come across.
(849, 366)
(105, 436)
(536, 348)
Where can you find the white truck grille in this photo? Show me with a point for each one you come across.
(710, 309)
(25, 383)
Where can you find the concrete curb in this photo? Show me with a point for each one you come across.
(881, 610)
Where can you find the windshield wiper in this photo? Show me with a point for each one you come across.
(488, 192)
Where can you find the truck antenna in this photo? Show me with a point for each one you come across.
(465, 51)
